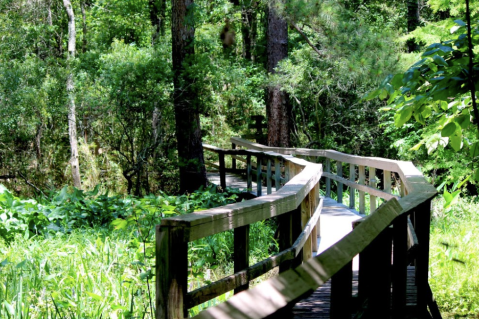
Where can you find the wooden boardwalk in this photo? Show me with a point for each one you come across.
(335, 222)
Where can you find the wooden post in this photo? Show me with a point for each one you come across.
(339, 172)
(352, 178)
(341, 293)
(327, 168)
(375, 276)
(249, 184)
(285, 223)
(241, 252)
(422, 219)
(269, 177)
(387, 181)
(259, 184)
(399, 271)
(171, 272)
(277, 174)
(222, 170)
(233, 160)
(305, 216)
(362, 179)
(372, 183)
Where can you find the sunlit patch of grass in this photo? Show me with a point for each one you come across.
(454, 263)
(87, 274)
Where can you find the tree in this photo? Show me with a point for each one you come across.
(187, 109)
(438, 91)
(277, 101)
(72, 129)
(412, 22)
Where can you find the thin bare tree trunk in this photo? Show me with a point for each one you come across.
(72, 129)
(84, 40)
(277, 103)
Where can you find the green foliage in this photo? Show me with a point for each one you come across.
(435, 93)
(95, 272)
(454, 264)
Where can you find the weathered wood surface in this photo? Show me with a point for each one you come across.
(293, 285)
(279, 294)
(317, 306)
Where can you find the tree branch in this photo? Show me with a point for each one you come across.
(307, 39)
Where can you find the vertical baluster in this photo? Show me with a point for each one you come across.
(171, 272)
(341, 292)
(296, 231)
(269, 177)
(287, 176)
(314, 196)
(373, 184)
(375, 276)
(403, 191)
(241, 252)
(362, 178)
(233, 161)
(305, 216)
(259, 186)
(285, 240)
(277, 174)
(339, 172)
(327, 169)
(399, 271)
(352, 191)
(387, 181)
(249, 184)
(422, 224)
(222, 170)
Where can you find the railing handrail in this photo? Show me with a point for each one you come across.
(298, 198)
(285, 200)
(416, 195)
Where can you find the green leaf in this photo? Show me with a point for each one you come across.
(94, 296)
(476, 175)
(402, 116)
(119, 223)
(396, 81)
(448, 130)
(474, 149)
(456, 142)
(439, 60)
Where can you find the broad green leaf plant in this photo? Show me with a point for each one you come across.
(438, 92)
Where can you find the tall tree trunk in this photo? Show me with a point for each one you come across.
(277, 103)
(72, 129)
(248, 17)
(188, 132)
(412, 22)
(84, 40)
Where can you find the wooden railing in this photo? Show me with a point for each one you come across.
(296, 205)
(398, 228)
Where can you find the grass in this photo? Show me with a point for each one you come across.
(454, 271)
(87, 274)
(97, 273)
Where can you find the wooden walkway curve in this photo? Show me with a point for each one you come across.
(335, 221)
(317, 278)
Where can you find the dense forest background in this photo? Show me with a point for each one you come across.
(123, 90)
